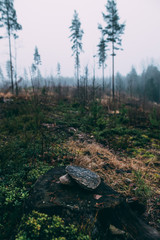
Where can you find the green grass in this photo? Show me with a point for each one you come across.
(142, 190)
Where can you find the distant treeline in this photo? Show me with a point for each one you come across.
(143, 86)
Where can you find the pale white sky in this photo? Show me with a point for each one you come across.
(46, 24)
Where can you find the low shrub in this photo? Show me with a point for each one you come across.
(41, 226)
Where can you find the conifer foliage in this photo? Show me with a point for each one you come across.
(102, 47)
(35, 66)
(37, 57)
(76, 39)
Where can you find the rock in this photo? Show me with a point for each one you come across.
(116, 231)
(66, 180)
(84, 177)
(118, 234)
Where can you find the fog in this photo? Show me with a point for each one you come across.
(46, 25)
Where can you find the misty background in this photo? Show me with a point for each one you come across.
(46, 25)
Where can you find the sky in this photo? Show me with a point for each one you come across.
(46, 25)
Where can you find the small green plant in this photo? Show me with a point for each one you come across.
(14, 195)
(14, 190)
(39, 169)
(123, 115)
(41, 226)
(11, 198)
(154, 120)
(142, 190)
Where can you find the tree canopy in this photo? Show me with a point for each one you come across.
(76, 39)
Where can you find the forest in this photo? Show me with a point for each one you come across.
(109, 125)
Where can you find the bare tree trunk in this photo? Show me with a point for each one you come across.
(85, 84)
(93, 88)
(10, 52)
(113, 93)
(103, 75)
(11, 65)
(77, 69)
(15, 68)
(94, 78)
(78, 79)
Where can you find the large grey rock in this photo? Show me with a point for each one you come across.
(84, 177)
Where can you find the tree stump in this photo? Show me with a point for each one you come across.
(94, 211)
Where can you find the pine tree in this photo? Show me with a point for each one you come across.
(8, 19)
(86, 71)
(37, 57)
(35, 66)
(1, 8)
(102, 56)
(59, 88)
(1, 75)
(37, 60)
(58, 70)
(76, 39)
(113, 32)
(132, 81)
(15, 58)
(1, 25)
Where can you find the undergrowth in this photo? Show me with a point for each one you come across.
(31, 142)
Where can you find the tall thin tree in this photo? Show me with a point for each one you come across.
(58, 71)
(8, 19)
(35, 66)
(1, 75)
(59, 79)
(102, 47)
(37, 57)
(86, 73)
(76, 39)
(37, 61)
(113, 31)
(1, 25)
(15, 63)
